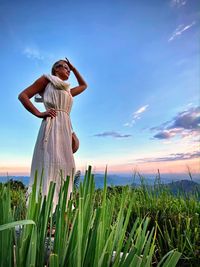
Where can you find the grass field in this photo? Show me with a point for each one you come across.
(113, 226)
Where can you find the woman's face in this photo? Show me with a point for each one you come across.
(62, 70)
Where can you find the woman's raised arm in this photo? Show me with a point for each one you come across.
(82, 84)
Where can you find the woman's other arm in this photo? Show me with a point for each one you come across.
(37, 87)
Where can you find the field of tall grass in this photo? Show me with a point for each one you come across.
(113, 226)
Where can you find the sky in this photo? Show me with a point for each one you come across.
(140, 59)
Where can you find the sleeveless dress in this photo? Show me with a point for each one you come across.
(53, 149)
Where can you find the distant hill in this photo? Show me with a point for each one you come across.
(186, 186)
(180, 180)
(182, 186)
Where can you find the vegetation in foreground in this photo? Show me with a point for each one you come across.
(116, 226)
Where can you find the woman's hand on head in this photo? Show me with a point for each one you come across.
(49, 113)
(69, 64)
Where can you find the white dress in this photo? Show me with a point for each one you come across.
(53, 148)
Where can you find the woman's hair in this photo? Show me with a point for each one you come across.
(53, 69)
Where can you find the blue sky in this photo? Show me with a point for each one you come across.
(140, 60)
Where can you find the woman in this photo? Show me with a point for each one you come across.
(56, 142)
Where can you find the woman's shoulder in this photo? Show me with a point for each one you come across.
(49, 78)
(45, 78)
(57, 82)
(41, 82)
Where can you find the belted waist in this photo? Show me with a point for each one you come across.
(49, 123)
(63, 110)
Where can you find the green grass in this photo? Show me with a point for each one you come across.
(176, 218)
(140, 226)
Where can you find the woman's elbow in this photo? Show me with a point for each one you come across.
(21, 97)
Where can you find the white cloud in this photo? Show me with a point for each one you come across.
(136, 116)
(32, 53)
(128, 124)
(178, 3)
(179, 30)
